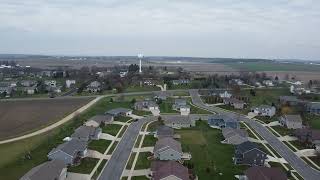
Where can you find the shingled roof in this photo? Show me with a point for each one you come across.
(265, 173)
(167, 142)
(163, 169)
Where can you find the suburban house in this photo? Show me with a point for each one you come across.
(299, 90)
(225, 94)
(28, 83)
(6, 90)
(313, 108)
(310, 137)
(236, 82)
(51, 83)
(223, 121)
(30, 90)
(167, 149)
(119, 112)
(164, 131)
(69, 152)
(248, 153)
(163, 95)
(98, 120)
(146, 105)
(53, 170)
(94, 87)
(70, 82)
(234, 136)
(180, 82)
(289, 100)
(235, 103)
(181, 105)
(264, 173)
(291, 121)
(264, 110)
(168, 170)
(87, 133)
(177, 121)
(268, 83)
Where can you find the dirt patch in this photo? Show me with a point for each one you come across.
(23, 116)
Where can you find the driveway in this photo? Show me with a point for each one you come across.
(297, 163)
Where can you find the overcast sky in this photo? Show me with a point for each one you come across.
(205, 28)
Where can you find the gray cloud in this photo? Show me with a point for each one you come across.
(228, 28)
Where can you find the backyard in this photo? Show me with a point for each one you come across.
(209, 156)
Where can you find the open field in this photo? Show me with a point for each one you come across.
(209, 156)
(21, 117)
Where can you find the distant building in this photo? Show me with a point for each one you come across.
(94, 87)
(223, 121)
(313, 108)
(164, 131)
(235, 103)
(30, 90)
(264, 110)
(146, 105)
(51, 83)
(98, 120)
(225, 94)
(180, 82)
(291, 121)
(87, 133)
(119, 112)
(69, 83)
(177, 121)
(268, 83)
(28, 83)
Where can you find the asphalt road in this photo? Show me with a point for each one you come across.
(117, 163)
(307, 172)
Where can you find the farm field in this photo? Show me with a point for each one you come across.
(23, 116)
(209, 156)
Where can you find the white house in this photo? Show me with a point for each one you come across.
(70, 82)
(268, 83)
(264, 110)
(225, 94)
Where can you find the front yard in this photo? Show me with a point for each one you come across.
(149, 140)
(209, 156)
(112, 129)
(85, 167)
(282, 130)
(99, 145)
(143, 162)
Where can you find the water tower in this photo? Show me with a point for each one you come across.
(140, 56)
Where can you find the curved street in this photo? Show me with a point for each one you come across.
(307, 172)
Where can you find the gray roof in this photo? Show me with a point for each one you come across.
(178, 119)
(246, 146)
(229, 132)
(314, 105)
(166, 143)
(85, 132)
(293, 118)
(288, 98)
(70, 147)
(116, 111)
(265, 173)
(165, 131)
(163, 169)
(102, 118)
(224, 117)
(48, 170)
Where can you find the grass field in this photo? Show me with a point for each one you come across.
(209, 156)
(143, 162)
(266, 66)
(313, 120)
(14, 164)
(23, 116)
(99, 145)
(85, 167)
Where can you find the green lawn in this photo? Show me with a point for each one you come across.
(138, 141)
(141, 113)
(298, 145)
(113, 147)
(196, 110)
(85, 167)
(139, 178)
(153, 126)
(99, 169)
(209, 156)
(166, 107)
(149, 140)
(143, 162)
(282, 130)
(143, 88)
(99, 145)
(130, 161)
(313, 120)
(122, 118)
(112, 129)
(267, 119)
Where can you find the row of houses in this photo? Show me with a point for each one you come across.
(168, 157)
(246, 152)
(74, 148)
